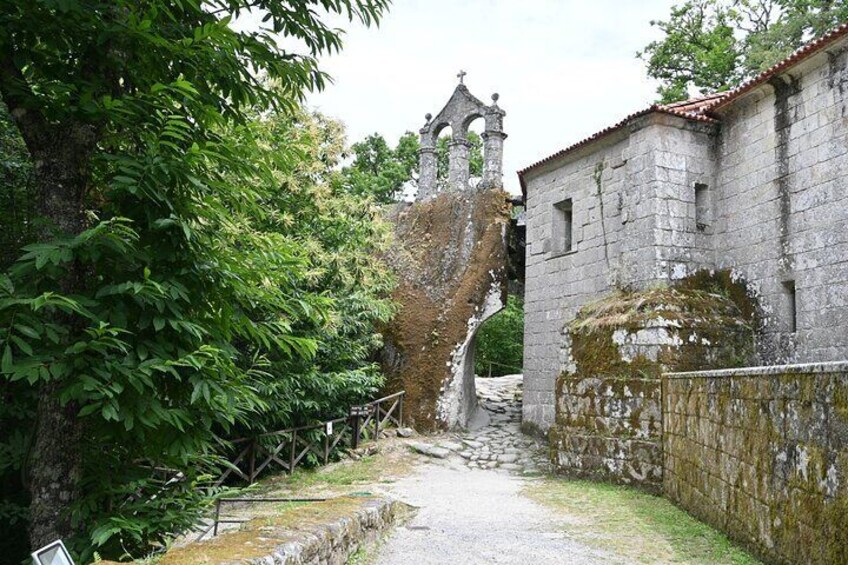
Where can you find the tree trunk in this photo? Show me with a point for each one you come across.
(55, 465)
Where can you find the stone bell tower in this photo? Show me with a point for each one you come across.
(462, 109)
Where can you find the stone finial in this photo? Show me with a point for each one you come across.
(461, 76)
(495, 98)
(427, 117)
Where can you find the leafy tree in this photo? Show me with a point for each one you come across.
(379, 170)
(151, 301)
(383, 172)
(712, 45)
(341, 235)
(16, 198)
(500, 341)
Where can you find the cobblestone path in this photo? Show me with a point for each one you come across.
(498, 442)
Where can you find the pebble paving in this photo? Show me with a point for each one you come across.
(499, 443)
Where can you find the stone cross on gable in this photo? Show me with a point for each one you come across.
(461, 76)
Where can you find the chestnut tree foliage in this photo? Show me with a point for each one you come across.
(713, 45)
(179, 265)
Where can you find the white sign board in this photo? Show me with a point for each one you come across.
(329, 428)
(52, 554)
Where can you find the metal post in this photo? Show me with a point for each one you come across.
(400, 415)
(217, 515)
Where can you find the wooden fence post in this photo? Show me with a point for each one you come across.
(293, 449)
(252, 468)
(217, 515)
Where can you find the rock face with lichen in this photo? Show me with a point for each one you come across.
(609, 402)
(450, 259)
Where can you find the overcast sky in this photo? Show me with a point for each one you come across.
(564, 68)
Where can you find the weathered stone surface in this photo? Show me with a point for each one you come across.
(609, 401)
(763, 455)
(430, 450)
(773, 212)
(311, 541)
(460, 111)
(450, 259)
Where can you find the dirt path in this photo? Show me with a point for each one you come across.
(487, 498)
(478, 516)
(471, 504)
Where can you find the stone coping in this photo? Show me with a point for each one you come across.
(766, 370)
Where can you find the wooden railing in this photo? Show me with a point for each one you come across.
(286, 449)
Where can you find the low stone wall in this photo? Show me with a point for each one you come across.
(762, 454)
(609, 429)
(326, 533)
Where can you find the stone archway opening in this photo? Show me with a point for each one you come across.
(494, 364)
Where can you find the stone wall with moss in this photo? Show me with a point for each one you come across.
(609, 402)
(762, 454)
(609, 429)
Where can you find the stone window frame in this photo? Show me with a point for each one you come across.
(703, 207)
(562, 228)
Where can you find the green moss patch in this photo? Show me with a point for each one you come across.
(634, 525)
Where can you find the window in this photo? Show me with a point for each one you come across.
(791, 306)
(563, 227)
(702, 206)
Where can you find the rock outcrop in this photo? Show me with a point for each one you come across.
(451, 263)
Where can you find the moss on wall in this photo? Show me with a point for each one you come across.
(763, 457)
(608, 421)
(450, 251)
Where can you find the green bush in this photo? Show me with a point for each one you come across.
(500, 341)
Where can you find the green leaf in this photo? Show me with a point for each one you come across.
(24, 346)
(7, 360)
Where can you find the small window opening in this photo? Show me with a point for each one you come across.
(702, 206)
(791, 306)
(563, 226)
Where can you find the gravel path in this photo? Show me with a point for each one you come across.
(471, 510)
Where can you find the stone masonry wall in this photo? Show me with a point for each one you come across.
(633, 211)
(762, 454)
(781, 206)
(609, 429)
(608, 423)
(775, 215)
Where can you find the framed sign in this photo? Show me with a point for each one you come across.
(329, 428)
(52, 554)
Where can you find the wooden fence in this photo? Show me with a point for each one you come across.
(286, 449)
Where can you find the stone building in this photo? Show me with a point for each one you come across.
(752, 182)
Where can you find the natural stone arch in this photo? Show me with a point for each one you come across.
(462, 109)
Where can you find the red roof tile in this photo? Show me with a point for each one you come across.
(701, 108)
